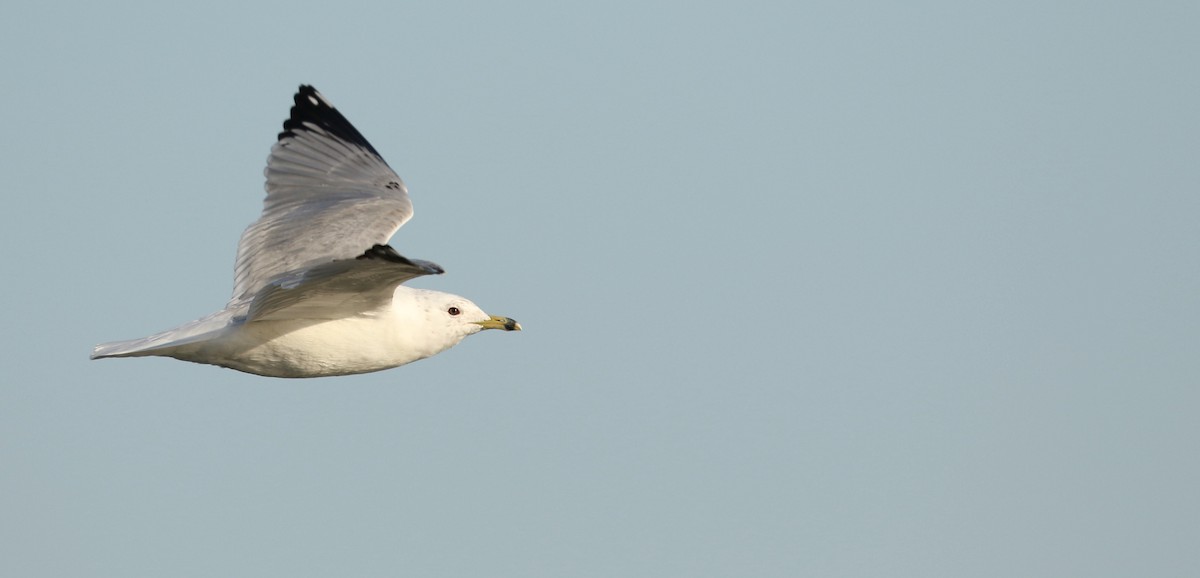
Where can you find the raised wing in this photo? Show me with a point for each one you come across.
(329, 196)
(340, 288)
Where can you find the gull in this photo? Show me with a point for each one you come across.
(317, 291)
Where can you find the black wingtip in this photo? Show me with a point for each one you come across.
(387, 253)
(311, 108)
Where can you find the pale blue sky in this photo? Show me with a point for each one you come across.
(808, 289)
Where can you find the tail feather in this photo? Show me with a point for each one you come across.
(129, 348)
(159, 343)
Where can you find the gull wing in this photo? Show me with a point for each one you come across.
(339, 288)
(329, 195)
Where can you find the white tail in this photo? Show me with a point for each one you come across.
(160, 343)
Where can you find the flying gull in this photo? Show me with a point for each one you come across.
(316, 289)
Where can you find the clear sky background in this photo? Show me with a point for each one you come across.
(808, 289)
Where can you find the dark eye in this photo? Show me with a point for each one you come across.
(453, 311)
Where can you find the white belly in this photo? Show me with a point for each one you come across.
(296, 348)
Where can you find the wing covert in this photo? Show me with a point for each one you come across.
(340, 288)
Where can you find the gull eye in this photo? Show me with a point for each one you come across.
(453, 311)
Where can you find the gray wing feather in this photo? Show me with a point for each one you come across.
(329, 196)
(338, 289)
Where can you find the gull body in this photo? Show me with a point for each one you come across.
(316, 292)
